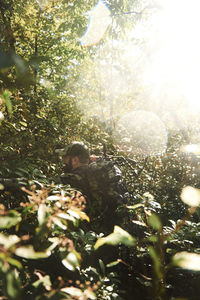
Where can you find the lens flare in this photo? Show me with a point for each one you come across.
(42, 3)
(141, 133)
(99, 21)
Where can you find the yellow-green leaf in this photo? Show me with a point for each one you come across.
(155, 222)
(8, 241)
(29, 252)
(75, 292)
(72, 260)
(119, 236)
(11, 219)
(187, 260)
(6, 97)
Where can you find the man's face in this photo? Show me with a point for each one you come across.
(67, 160)
(71, 163)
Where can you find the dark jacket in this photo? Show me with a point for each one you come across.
(102, 185)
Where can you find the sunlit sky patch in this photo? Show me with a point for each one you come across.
(98, 23)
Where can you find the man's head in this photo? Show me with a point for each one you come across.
(75, 155)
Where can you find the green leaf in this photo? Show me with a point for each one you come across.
(72, 260)
(135, 206)
(187, 260)
(42, 211)
(102, 266)
(156, 260)
(29, 252)
(45, 281)
(12, 285)
(9, 220)
(73, 213)
(66, 217)
(89, 294)
(155, 222)
(153, 238)
(14, 263)
(119, 236)
(23, 123)
(54, 241)
(6, 96)
(59, 223)
(113, 263)
(8, 241)
(75, 292)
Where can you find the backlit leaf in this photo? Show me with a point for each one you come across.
(72, 260)
(45, 281)
(89, 294)
(9, 220)
(187, 260)
(119, 236)
(138, 205)
(42, 213)
(29, 252)
(75, 292)
(59, 223)
(8, 241)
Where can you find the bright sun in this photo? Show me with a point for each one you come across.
(176, 60)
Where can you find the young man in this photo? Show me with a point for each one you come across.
(100, 181)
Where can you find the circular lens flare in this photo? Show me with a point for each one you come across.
(141, 133)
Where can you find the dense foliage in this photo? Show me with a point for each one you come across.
(45, 250)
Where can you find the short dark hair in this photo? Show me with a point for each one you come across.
(78, 149)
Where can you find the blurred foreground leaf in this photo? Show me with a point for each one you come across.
(13, 289)
(45, 281)
(74, 292)
(29, 252)
(12, 218)
(42, 213)
(187, 260)
(8, 241)
(119, 236)
(154, 222)
(72, 260)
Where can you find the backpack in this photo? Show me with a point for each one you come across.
(101, 182)
(107, 190)
(105, 175)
